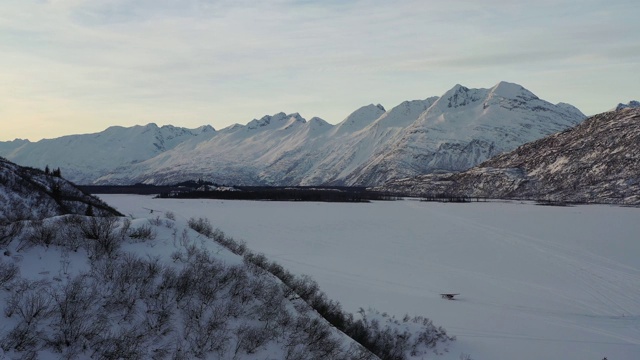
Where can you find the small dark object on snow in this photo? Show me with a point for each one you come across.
(448, 296)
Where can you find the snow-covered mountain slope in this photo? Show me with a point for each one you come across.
(454, 132)
(597, 161)
(87, 157)
(465, 127)
(27, 193)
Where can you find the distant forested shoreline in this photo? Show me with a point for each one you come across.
(202, 190)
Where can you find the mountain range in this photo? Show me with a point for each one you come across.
(453, 132)
(596, 161)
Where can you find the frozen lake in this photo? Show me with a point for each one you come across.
(535, 282)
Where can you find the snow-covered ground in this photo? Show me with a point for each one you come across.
(535, 282)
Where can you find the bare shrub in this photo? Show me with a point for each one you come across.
(126, 343)
(42, 233)
(73, 323)
(204, 329)
(312, 338)
(144, 232)
(22, 338)
(71, 235)
(30, 302)
(157, 221)
(236, 247)
(157, 318)
(170, 215)
(125, 281)
(202, 226)
(9, 230)
(249, 339)
(33, 306)
(8, 272)
(105, 239)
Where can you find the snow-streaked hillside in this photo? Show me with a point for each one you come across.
(597, 161)
(32, 194)
(535, 282)
(371, 146)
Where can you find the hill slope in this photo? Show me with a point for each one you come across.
(27, 193)
(597, 161)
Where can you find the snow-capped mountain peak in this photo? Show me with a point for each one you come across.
(278, 120)
(458, 96)
(360, 118)
(511, 91)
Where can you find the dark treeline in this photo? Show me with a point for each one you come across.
(333, 194)
(137, 189)
(449, 198)
(145, 189)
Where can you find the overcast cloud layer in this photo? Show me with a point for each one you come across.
(73, 66)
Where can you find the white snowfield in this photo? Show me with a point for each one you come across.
(535, 282)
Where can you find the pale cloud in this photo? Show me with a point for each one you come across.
(85, 65)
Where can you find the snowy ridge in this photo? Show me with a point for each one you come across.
(372, 145)
(597, 161)
(32, 194)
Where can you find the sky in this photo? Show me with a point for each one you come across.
(80, 66)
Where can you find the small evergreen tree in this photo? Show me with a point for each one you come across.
(56, 192)
(46, 170)
(89, 211)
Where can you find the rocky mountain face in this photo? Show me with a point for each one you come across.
(597, 161)
(32, 194)
(634, 104)
(453, 132)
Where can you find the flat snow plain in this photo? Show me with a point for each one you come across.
(535, 282)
